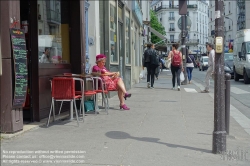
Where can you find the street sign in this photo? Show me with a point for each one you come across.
(188, 23)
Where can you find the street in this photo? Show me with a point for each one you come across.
(164, 127)
(240, 92)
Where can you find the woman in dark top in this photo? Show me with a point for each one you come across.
(190, 66)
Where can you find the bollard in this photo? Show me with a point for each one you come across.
(227, 101)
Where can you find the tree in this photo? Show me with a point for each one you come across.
(154, 23)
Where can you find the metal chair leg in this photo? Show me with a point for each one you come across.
(60, 108)
(103, 99)
(83, 111)
(105, 104)
(54, 116)
(50, 113)
(76, 112)
(107, 100)
(96, 105)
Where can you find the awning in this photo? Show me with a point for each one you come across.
(157, 33)
(161, 48)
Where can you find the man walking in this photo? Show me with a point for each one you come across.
(154, 63)
(210, 69)
(146, 63)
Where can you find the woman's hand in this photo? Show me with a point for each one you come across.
(182, 69)
(116, 74)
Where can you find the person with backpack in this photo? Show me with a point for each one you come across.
(176, 65)
(146, 62)
(190, 65)
(154, 63)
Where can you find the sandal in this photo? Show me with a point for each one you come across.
(127, 95)
(124, 106)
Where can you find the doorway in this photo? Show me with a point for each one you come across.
(25, 24)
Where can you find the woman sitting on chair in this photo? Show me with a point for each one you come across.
(112, 80)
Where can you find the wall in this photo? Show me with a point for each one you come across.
(136, 53)
(11, 119)
(247, 14)
(94, 30)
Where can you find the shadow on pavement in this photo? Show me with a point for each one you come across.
(124, 135)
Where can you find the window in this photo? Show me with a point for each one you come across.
(171, 38)
(53, 39)
(171, 27)
(113, 34)
(229, 7)
(171, 14)
(128, 56)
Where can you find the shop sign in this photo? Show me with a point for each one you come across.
(20, 66)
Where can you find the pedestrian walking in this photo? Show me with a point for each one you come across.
(190, 65)
(210, 70)
(176, 65)
(157, 70)
(154, 63)
(146, 62)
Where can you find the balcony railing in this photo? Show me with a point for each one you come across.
(167, 7)
(173, 7)
(192, 41)
(171, 29)
(171, 18)
(191, 6)
(171, 41)
(53, 17)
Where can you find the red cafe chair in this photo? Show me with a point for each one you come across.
(100, 87)
(63, 89)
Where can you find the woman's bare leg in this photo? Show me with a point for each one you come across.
(121, 86)
(120, 96)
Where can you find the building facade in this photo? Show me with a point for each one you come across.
(54, 29)
(121, 37)
(168, 14)
(230, 23)
(68, 35)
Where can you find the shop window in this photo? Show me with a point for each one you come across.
(113, 35)
(53, 39)
(128, 55)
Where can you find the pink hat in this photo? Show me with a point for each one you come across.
(100, 57)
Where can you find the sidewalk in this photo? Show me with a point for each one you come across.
(163, 128)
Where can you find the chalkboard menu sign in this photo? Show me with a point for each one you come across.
(20, 66)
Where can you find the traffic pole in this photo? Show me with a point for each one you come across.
(183, 13)
(227, 101)
(183, 45)
(219, 133)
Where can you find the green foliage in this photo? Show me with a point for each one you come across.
(154, 23)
